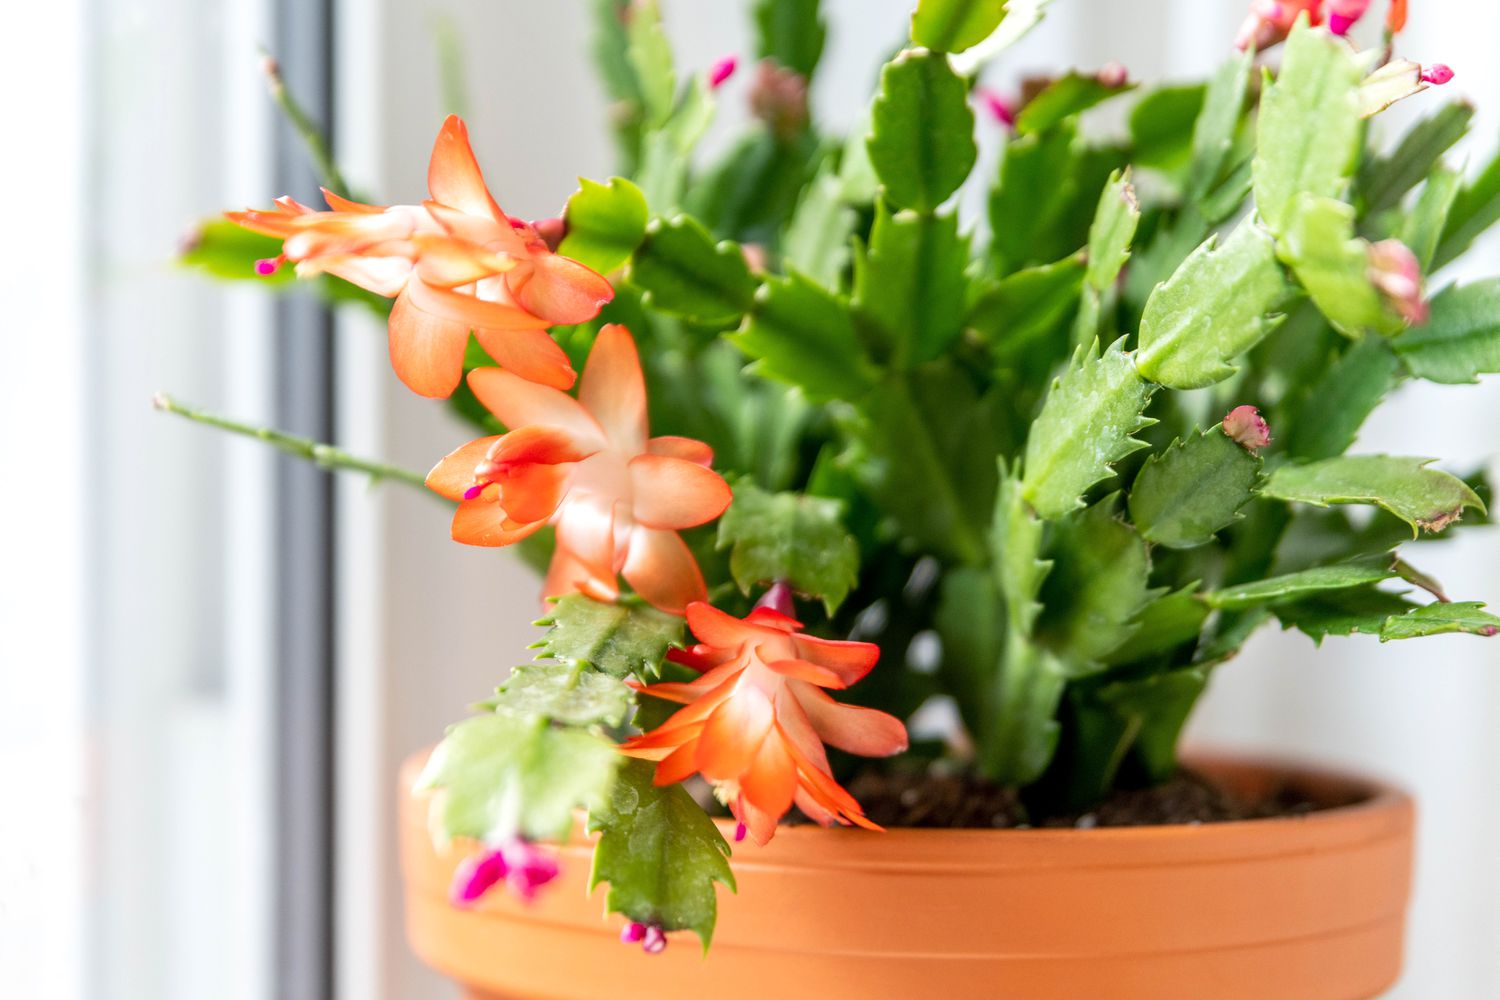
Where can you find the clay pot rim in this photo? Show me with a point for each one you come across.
(1371, 795)
(1380, 812)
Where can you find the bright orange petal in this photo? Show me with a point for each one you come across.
(761, 825)
(453, 174)
(385, 276)
(662, 570)
(802, 670)
(713, 627)
(770, 618)
(531, 354)
(680, 447)
(453, 476)
(533, 492)
(341, 204)
(673, 493)
(674, 767)
(585, 557)
(484, 522)
(569, 575)
(517, 402)
(730, 741)
(771, 782)
(849, 660)
(471, 310)
(859, 730)
(561, 289)
(445, 262)
(427, 351)
(614, 390)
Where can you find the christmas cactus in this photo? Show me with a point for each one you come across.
(800, 448)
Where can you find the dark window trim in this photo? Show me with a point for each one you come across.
(303, 932)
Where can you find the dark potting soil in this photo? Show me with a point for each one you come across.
(957, 802)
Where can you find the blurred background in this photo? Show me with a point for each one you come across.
(212, 659)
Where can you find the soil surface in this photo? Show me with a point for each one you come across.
(954, 802)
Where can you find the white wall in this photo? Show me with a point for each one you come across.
(430, 625)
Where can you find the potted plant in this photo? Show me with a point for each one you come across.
(805, 458)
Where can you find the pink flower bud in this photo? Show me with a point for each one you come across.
(530, 869)
(551, 232)
(518, 862)
(476, 876)
(655, 940)
(472, 493)
(1247, 428)
(632, 933)
(1344, 14)
(721, 71)
(780, 598)
(267, 266)
(740, 830)
(778, 97)
(1112, 75)
(1396, 273)
(1002, 109)
(1437, 74)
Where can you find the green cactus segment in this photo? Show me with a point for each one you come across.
(660, 854)
(1326, 418)
(798, 539)
(792, 32)
(606, 222)
(1167, 623)
(1439, 619)
(1474, 211)
(1097, 586)
(1218, 124)
(1194, 489)
(1334, 266)
(817, 236)
(1424, 498)
(1385, 180)
(1310, 125)
(1086, 425)
(1460, 340)
(955, 25)
(922, 130)
(1110, 235)
(1423, 227)
(910, 288)
(1292, 586)
(684, 273)
(802, 335)
(503, 775)
(620, 640)
(1215, 307)
(572, 693)
(1016, 547)
(1069, 95)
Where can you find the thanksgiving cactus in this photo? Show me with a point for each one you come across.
(1054, 464)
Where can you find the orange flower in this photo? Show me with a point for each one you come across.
(1395, 17)
(756, 721)
(455, 263)
(586, 466)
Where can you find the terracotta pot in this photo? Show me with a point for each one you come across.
(1304, 908)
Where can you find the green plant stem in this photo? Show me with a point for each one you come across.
(312, 136)
(323, 455)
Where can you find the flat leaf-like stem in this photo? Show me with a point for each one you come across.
(1423, 497)
(502, 775)
(660, 854)
(621, 640)
(1216, 306)
(1087, 424)
(790, 537)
